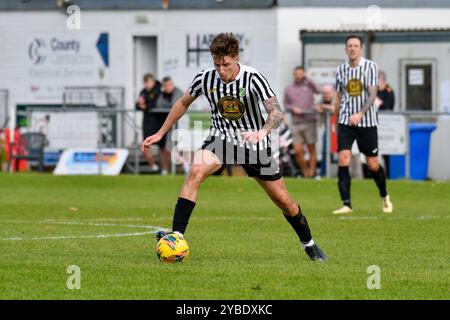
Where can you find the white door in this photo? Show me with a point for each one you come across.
(145, 61)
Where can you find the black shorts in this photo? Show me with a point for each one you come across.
(257, 163)
(366, 138)
(151, 123)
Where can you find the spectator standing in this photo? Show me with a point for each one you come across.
(146, 102)
(326, 105)
(299, 101)
(385, 97)
(385, 101)
(169, 95)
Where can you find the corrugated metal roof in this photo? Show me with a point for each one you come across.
(360, 30)
(37, 5)
(366, 3)
(387, 35)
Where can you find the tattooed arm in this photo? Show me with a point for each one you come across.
(356, 118)
(369, 102)
(275, 118)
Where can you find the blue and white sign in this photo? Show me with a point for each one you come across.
(57, 60)
(91, 161)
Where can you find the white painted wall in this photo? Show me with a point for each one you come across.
(439, 53)
(170, 27)
(292, 20)
(273, 35)
(439, 164)
(273, 44)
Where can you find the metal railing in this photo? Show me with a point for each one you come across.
(128, 119)
(409, 115)
(128, 123)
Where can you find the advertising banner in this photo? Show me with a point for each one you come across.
(90, 161)
(53, 61)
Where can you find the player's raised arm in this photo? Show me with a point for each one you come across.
(178, 110)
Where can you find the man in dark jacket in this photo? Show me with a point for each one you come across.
(385, 97)
(385, 102)
(146, 103)
(166, 99)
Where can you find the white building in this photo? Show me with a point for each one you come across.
(40, 54)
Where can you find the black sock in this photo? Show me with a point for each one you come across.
(380, 179)
(300, 225)
(344, 183)
(183, 210)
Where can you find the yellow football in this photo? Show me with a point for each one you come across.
(172, 248)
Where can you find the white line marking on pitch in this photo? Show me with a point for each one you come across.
(358, 218)
(98, 236)
(203, 218)
(95, 236)
(393, 218)
(110, 219)
(237, 218)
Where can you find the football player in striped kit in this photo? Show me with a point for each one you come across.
(356, 89)
(244, 113)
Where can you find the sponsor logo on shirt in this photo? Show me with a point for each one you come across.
(231, 108)
(354, 87)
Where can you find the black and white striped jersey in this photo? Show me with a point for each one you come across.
(354, 83)
(236, 106)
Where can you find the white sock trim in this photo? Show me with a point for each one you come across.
(179, 234)
(309, 244)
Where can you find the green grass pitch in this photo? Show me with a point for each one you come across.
(240, 245)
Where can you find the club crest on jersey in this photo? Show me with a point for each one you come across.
(231, 108)
(354, 87)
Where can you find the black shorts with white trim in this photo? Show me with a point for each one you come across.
(257, 163)
(366, 138)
